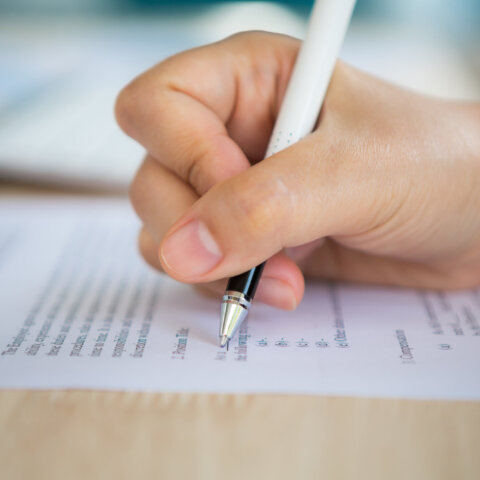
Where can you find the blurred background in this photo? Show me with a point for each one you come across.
(62, 63)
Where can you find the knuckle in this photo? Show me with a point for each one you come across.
(263, 209)
(142, 95)
(124, 107)
(252, 36)
(239, 36)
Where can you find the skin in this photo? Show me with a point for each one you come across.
(385, 190)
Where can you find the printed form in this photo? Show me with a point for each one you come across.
(80, 309)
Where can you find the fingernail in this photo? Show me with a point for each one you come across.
(276, 293)
(191, 250)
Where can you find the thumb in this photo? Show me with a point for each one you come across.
(308, 191)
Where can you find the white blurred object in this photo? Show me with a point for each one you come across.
(59, 82)
(424, 62)
(57, 127)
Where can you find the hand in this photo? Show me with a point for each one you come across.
(385, 190)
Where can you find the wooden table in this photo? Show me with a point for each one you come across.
(86, 434)
(124, 435)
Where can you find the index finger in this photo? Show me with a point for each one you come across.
(205, 112)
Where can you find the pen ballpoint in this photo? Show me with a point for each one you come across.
(298, 113)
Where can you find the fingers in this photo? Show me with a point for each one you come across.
(186, 137)
(281, 286)
(171, 111)
(203, 113)
(160, 198)
(309, 191)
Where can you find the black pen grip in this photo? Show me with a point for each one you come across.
(247, 282)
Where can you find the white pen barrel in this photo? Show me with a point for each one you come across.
(311, 74)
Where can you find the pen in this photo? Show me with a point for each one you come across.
(298, 113)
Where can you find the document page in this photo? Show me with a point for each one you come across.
(80, 309)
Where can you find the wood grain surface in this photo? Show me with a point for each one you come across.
(89, 435)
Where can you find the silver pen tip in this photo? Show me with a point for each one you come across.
(233, 313)
(224, 341)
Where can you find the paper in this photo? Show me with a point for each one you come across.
(81, 310)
